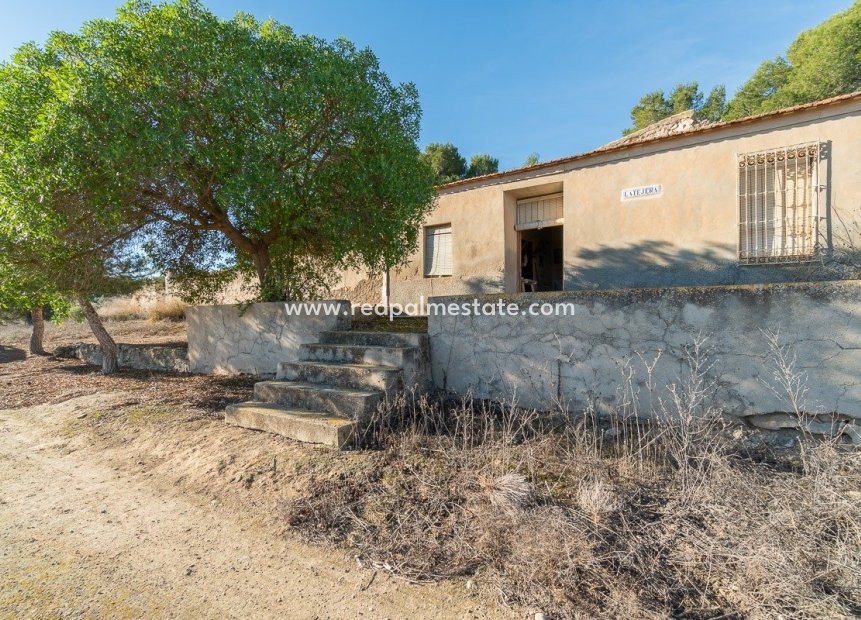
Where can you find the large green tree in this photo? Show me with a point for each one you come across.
(759, 93)
(63, 231)
(822, 62)
(482, 164)
(446, 162)
(252, 145)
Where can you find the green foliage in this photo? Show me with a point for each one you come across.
(656, 106)
(449, 165)
(760, 93)
(252, 146)
(61, 233)
(531, 160)
(481, 164)
(822, 62)
(20, 291)
(714, 107)
(446, 162)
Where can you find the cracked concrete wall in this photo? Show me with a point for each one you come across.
(232, 340)
(547, 362)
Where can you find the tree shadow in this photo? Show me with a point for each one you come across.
(661, 263)
(11, 354)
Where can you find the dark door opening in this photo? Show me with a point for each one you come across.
(541, 259)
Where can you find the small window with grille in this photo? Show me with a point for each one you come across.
(778, 202)
(438, 250)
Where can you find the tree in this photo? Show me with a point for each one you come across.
(656, 106)
(531, 160)
(23, 294)
(446, 162)
(822, 62)
(758, 94)
(482, 164)
(714, 107)
(250, 145)
(61, 233)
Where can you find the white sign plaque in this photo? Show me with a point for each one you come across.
(645, 191)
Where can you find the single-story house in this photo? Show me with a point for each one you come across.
(768, 198)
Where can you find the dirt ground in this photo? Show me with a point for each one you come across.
(128, 497)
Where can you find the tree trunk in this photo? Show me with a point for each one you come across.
(262, 262)
(107, 344)
(38, 333)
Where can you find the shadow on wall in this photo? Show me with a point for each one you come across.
(478, 285)
(659, 263)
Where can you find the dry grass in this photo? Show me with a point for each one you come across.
(145, 304)
(167, 308)
(135, 331)
(600, 518)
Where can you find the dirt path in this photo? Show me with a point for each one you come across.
(82, 536)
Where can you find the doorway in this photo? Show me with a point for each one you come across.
(541, 259)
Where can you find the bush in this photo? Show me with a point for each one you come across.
(145, 304)
(619, 517)
(168, 308)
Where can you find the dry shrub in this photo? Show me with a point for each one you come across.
(125, 308)
(145, 304)
(601, 518)
(167, 308)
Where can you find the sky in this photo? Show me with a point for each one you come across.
(511, 78)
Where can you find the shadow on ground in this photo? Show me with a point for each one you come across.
(11, 354)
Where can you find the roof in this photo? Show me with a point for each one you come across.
(664, 128)
(682, 124)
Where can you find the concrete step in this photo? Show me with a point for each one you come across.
(361, 354)
(375, 339)
(299, 424)
(358, 376)
(345, 402)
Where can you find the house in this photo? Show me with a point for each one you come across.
(769, 198)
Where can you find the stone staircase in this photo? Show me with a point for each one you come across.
(336, 386)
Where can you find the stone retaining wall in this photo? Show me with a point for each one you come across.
(253, 339)
(142, 357)
(547, 362)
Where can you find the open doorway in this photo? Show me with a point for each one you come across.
(541, 259)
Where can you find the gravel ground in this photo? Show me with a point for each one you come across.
(128, 497)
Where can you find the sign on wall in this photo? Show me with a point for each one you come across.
(644, 191)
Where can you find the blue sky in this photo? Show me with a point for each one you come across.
(507, 77)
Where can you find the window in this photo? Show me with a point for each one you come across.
(778, 202)
(438, 250)
(539, 212)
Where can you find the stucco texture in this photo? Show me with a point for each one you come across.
(233, 339)
(564, 362)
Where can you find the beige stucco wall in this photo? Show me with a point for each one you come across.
(685, 236)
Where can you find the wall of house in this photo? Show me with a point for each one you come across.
(580, 360)
(688, 234)
(685, 236)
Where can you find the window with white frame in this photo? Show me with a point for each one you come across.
(778, 204)
(539, 211)
(438, 250)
